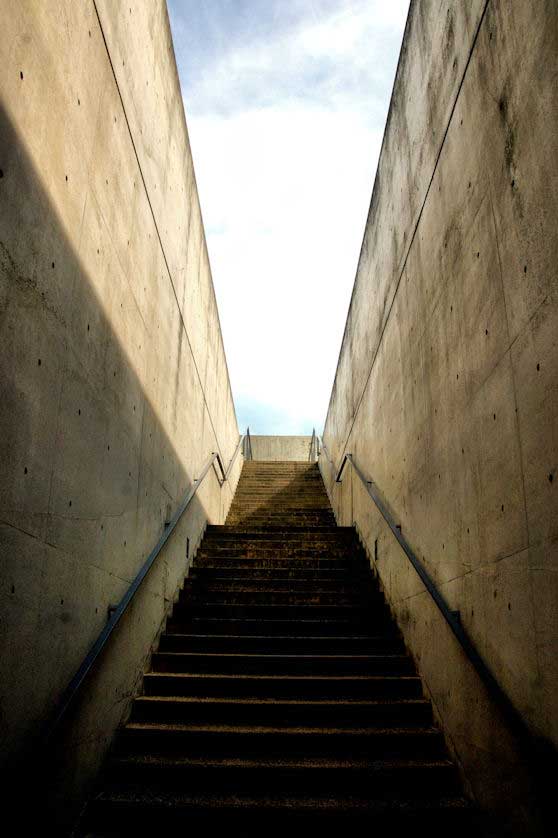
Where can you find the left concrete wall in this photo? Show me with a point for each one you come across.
(115, 388)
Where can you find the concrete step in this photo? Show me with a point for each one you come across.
(248, 740)
(276, 550)
(146, 815)
(281, 711)
(297, 776)
(282, 497)
(308, 504)
(250, 523)
(277, 576)
(266, 594)
(275, 686)
(282, 664)
(137, 814)
(272, 586)
(200, 598)
(225, 562)
(270, 644)
(331, 535)
(305, 626)
(288, 493)
(279, 611)
(247, 524)
(246, 521)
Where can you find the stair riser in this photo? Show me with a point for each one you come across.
(279, 497)
(336, 579)
(291, 587)
(212, 597)
(379, 783)
(147, 819)
(307, 564)
(401, 715)
(292, 627)
(276, 645)
(249, 526)
(275, 501)
(270, 508)
(271, 687)
(320, 514)
(276, 597)
(308, 542)
(262, 552)
(250, 523)
(275, 612)
(269, 582)
(407, 745)
(270, 665)
(283, 492)
(322, 511)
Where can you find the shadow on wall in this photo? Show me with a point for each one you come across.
(89, 475)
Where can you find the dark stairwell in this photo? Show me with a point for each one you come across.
(281, 694)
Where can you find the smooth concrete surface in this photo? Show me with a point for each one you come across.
(281, 448)
(446, 391)
(115, 388)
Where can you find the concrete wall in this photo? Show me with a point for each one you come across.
(446, 390)
(281, 447)
(114, 380)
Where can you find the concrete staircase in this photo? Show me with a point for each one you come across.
(281, 695)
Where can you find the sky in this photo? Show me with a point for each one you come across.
(286, 102)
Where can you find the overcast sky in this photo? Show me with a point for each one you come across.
(286, 102)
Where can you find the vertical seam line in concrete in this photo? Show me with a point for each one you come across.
(155, 223)
(510, 345)
(412, 239)
(518, 431)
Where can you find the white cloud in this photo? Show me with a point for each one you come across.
(285, 136)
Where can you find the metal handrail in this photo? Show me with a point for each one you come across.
(452, 618)
(312, 444)
(70, 693)
(248, 445)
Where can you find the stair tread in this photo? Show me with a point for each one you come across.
(280, 677)
(279, 802)
(280, 762)
(372, 731)
(278, 656)
(301, 639)
(265, 701)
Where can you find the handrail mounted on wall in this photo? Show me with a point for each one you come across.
(512, 716)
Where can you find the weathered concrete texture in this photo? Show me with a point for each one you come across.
(115, 388)
(281, 448)
(446, 389)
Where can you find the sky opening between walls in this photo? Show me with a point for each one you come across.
(286, 102)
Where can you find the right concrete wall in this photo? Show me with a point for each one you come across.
(446, 391)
